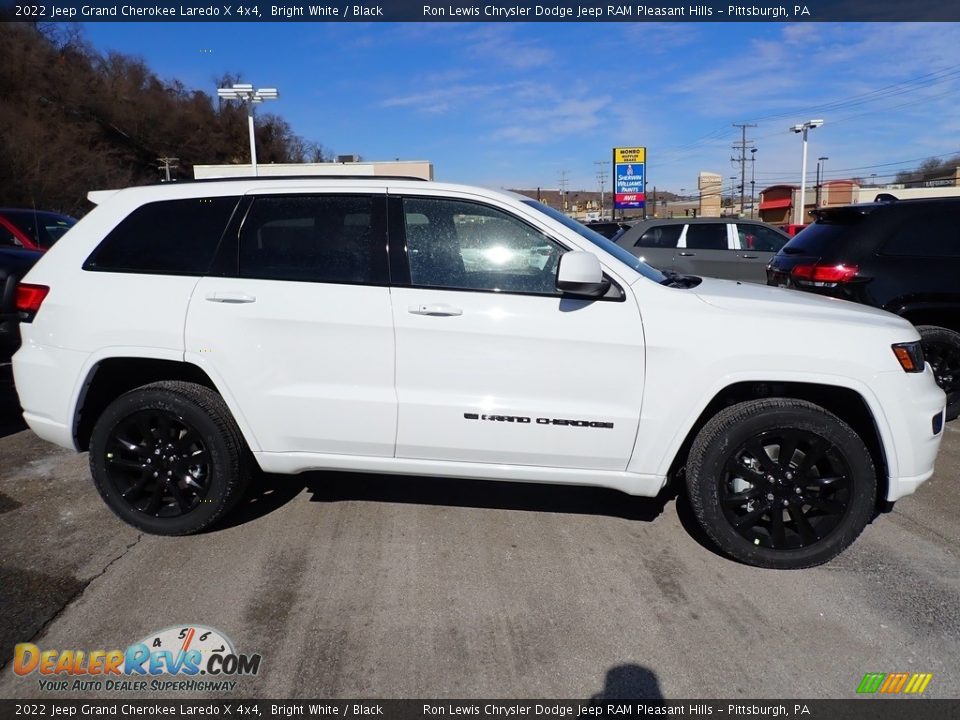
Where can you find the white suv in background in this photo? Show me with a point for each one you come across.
(188, 333)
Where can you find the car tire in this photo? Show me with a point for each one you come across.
(941, 348)
(168, 458)
(793, 514)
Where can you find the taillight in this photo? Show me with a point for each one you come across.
(823, 275)
(29, 300)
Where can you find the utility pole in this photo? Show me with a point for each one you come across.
(167, 164)
(753, 181)
(563, 191)
(602, 166)
(742, 147)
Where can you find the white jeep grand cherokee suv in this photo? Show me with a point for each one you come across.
(186, 334)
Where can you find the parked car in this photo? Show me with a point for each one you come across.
(14, 264)
(899, 255)
(189, 332)
(32, 229)
(730, 248)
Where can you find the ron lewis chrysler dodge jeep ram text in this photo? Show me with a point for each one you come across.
(187, 333)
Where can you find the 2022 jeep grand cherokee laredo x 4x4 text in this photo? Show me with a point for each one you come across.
(189, 331)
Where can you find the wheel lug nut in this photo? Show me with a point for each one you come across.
(789, 476)
(156, 474)
(797, 490)
(157, 451)
(769, 496)
(786, 502)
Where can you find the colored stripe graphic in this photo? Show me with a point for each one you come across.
(918, 683)
(871, 682)
(894, 683)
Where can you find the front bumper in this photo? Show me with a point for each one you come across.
(910, 402)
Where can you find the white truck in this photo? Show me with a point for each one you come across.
(189, 334)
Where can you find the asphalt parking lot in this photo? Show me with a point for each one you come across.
(378, 587)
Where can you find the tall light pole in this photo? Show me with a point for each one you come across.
(753, 180)
(799, 211)
(245, 93)
(822, 159)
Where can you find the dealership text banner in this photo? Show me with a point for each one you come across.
(465, 11)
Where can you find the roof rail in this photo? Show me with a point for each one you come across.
(240, 178)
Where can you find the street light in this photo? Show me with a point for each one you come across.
(798, 212)
(753, 180)
(820, 159)
(245, 93)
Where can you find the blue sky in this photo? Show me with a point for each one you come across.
(516, 104)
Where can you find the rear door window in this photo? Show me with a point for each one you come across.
(315, 238)
(170, 237)
(707, 236)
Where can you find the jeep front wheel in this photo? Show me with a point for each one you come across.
(780, 483)
(168, 458)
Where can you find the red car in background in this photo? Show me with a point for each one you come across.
(791, 230)
(32, 229)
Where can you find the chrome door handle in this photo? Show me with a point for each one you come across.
(233, 298)
(686, 254)
(750, 257)
(438, 310)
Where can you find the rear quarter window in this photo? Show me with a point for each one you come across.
(170, 237)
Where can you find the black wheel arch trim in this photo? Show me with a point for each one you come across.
(846, 403)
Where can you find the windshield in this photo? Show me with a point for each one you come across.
(600, 241)
(44, 228)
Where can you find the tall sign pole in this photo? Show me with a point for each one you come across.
(629, 178)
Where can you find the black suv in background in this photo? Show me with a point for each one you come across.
(902, 256)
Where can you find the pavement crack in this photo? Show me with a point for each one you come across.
(68, 601)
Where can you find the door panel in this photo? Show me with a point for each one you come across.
(705, 250)
(488, 374)
(302, 343)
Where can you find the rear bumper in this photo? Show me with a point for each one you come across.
(910, 402)
(46, 379)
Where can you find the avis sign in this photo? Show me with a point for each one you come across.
(629, 174)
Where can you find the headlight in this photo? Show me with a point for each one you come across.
(910, 356)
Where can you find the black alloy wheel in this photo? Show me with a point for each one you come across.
(780, 483)
(785, 489)
(941, 348)
(168, 458)
(157, 463)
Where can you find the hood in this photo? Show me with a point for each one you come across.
(754, 299)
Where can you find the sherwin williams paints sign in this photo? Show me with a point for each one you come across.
(629, 173)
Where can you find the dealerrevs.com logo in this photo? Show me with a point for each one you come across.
(186, 658)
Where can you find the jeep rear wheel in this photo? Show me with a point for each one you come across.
(168, 458)
(941, 348)
(780, 483)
